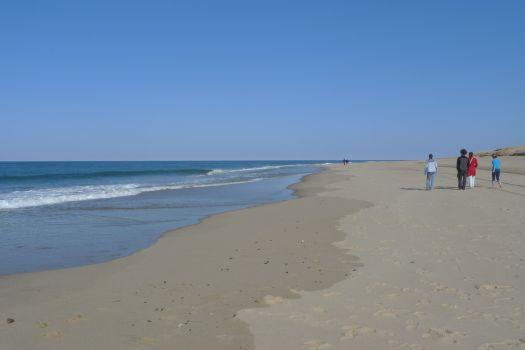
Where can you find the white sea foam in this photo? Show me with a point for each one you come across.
(50, 196)
(268, 167)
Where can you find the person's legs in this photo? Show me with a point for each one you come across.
(493, 177)
(463, 180)
(497, 177)
(473, 182)
(427, 184)
(432, 180)
(469, 178)
(459, 180)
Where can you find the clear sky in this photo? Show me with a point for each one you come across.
(192, 80)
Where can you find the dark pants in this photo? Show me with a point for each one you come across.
(462, 179)
(495, 175)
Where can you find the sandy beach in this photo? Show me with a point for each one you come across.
(364, 259)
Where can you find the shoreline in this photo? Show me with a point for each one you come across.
(200, 274)
(134, 238)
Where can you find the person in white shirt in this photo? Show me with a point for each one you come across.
(431, 167)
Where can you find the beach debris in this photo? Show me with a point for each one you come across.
(42, 325)
(267, 262)
(10, 320)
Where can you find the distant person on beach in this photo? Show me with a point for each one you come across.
(430, 171)
(462, 166)
(471, 174)
(496, 169)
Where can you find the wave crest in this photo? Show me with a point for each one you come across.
(35, 198)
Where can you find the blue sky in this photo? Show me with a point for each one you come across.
(191, 80)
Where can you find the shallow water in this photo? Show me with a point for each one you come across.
(57, 215)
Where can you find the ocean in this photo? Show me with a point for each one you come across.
(63, 214)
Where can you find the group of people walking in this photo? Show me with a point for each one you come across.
(466, 170)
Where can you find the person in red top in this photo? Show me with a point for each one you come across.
(471, 173)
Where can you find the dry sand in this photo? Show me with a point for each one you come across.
(365, 259)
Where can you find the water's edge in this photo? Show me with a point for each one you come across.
(294, 195)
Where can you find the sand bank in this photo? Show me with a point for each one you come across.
(365, 259)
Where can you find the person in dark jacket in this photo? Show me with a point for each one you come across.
(462, 165)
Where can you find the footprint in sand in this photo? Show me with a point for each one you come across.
(443, 335)
(423, 302)
(351, 332)
(147, 340)
(388, 313)
(411, 325)
(75, 318)
(53, 334)
(301, 317)
(318, 309)
(272, 300)
(504, 345)
(169, 317)
(316, 345)
(419, 314)
(493, 290)
(444, 289)
(392, 296)
(470, 314)
(450, 306)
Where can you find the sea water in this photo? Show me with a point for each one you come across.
(63, 214)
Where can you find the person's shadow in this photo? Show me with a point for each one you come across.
(435, 188)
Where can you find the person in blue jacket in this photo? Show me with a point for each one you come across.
(496, 169)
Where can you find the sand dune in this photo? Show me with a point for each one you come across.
(506, 151)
